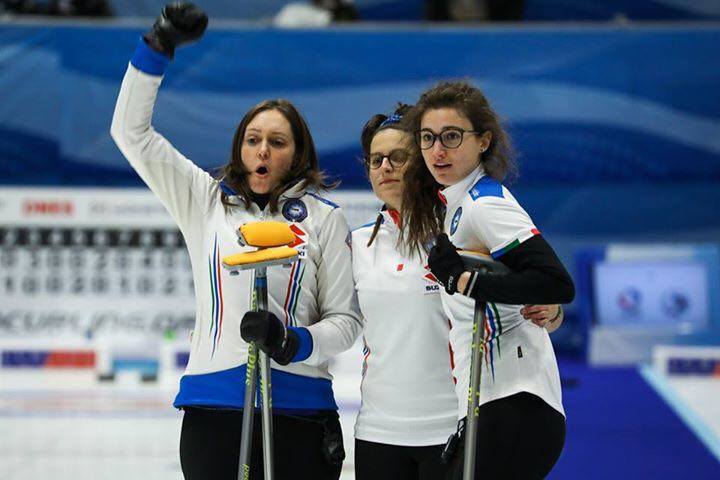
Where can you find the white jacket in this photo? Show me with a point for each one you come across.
(483, 216)
(408, 396)
(317, 292)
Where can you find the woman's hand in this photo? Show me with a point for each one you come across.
(179, 23)
(549, 317)
(445, 263)
(270, 335)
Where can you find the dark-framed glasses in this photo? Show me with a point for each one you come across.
(397, 158)
(451, 137)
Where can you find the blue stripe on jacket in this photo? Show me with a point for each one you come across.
(226, 388)
(148, 60)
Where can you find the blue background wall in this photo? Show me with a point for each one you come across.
(618, 129)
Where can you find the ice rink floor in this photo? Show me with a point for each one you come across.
(67, 426)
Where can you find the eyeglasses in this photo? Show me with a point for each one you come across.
(397, 158)
(451, 137)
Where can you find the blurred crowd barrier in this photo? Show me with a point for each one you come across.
(413, 10)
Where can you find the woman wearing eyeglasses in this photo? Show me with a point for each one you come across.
(466, 155)
(408, 407)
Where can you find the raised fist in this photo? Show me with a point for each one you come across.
(178, 24)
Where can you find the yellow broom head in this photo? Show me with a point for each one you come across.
(265, 257)
(266, 234)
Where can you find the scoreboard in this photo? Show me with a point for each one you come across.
(89, 263)
(93, 263)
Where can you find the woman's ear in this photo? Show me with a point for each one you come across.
(485, 140)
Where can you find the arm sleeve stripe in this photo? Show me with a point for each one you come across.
(148, 60)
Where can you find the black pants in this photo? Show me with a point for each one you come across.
(520, 437)
(210, 445)
(379, 461)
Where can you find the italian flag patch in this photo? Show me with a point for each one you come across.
(499, 253)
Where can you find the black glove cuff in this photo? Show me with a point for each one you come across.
(452, 281)
(451, 284)
(470, 283)
(154, 41)
(288, 349)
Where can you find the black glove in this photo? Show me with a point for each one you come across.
(270, 335)
(179, 23)
(445, 263)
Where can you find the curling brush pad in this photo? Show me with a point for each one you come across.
(267, 234)
(260, 256)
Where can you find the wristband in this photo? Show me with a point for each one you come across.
(470, 283)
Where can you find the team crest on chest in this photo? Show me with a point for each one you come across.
(455, 220)
(295, 210)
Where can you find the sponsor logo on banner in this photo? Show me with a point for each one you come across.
(99, 321)
(694, 366)
(31, 207)
(125, 208)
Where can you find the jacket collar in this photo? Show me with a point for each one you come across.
(454, 193)
(391, 217)
(295, 191)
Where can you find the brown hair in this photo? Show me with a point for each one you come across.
(423, 211)
(372, 127)
(305, 167)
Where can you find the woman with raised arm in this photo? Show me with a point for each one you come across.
(408, 406)
(312, 311)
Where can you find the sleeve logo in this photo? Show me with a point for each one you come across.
(455, 221)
